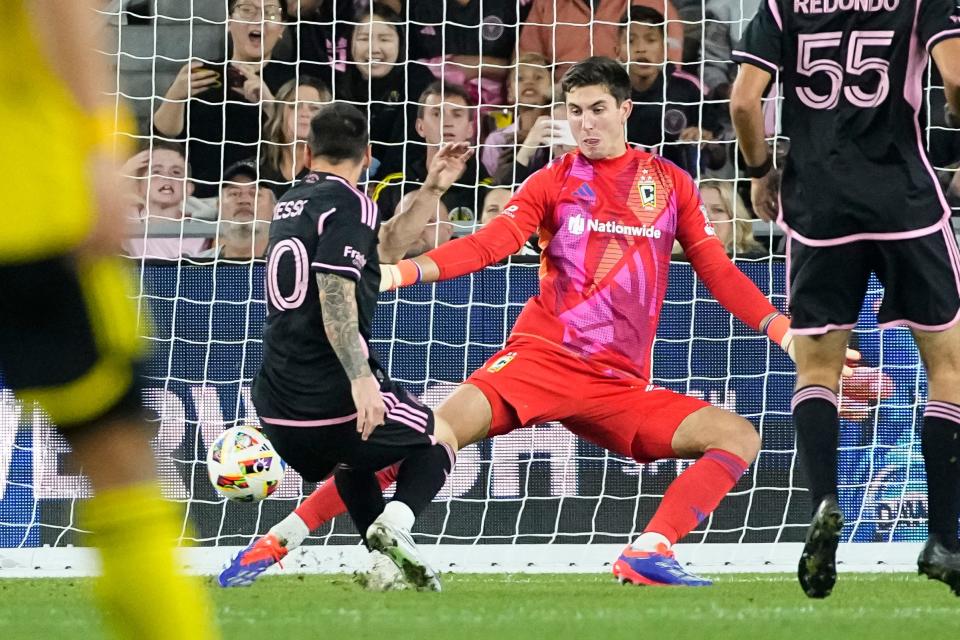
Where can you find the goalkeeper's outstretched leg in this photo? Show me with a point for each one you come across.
(725, 445)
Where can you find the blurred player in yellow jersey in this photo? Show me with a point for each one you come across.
(68, 331)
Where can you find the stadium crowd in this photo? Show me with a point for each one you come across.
(485, 72)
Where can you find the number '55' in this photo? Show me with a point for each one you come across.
(857, 64)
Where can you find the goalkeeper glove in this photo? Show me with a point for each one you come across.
(393, 276)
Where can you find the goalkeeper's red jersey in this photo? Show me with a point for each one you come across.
(607, 230)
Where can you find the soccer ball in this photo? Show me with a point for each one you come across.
(243, 465)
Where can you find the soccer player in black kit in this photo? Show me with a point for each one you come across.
(859, 195)
(323, 399)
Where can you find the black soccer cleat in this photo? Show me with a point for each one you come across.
(937, 562)
(818, 564)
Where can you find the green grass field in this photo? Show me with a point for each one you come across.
(489, 607)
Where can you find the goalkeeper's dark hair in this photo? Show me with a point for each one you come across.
(643, 15)
(338, 133)
(598, 71)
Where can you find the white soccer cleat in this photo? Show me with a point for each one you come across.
(397, 544)
(383, 575)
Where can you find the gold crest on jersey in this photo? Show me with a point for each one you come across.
(648, 194)
(501, 362)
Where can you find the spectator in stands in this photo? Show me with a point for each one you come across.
(589, 28)
(667, 102)
(246, 209)
(283, 152)
(224, 99)
(445, 114)
(163, 188)
(731, 219)
(318, 37)
(466, 42)
(529, 89)
(707, 40)
(548, 138)
(377, 76)
(437, 230)
(163, 193)
(494, 202)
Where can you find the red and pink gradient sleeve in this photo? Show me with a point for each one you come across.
(735, 291)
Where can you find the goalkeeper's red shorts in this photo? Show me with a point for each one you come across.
(531, 382)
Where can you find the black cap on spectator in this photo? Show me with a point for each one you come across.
(241, 168)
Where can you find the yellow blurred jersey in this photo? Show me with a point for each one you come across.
(46, 206)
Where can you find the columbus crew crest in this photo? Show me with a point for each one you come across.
(648, 193)
(501, 362)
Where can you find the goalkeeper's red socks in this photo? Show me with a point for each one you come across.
(940, 442)
(696, 493)
(321, 506)
(325, 503)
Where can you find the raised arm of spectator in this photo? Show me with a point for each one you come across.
(169, 118)
(399, 233)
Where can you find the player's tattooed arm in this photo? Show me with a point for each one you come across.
(338, 302)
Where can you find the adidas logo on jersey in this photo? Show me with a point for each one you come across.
(584, 192)
(577, 225)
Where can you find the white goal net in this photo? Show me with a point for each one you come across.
(538, 493)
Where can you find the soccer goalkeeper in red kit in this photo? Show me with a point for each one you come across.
(607, 216)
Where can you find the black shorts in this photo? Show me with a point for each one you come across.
(316, 451)
(69, 338)
(920, 278)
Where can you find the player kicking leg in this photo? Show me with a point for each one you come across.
(318, 508)
(385, 526)
(388, 527)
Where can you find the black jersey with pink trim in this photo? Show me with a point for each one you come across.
(852, 73)
(322, 225)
